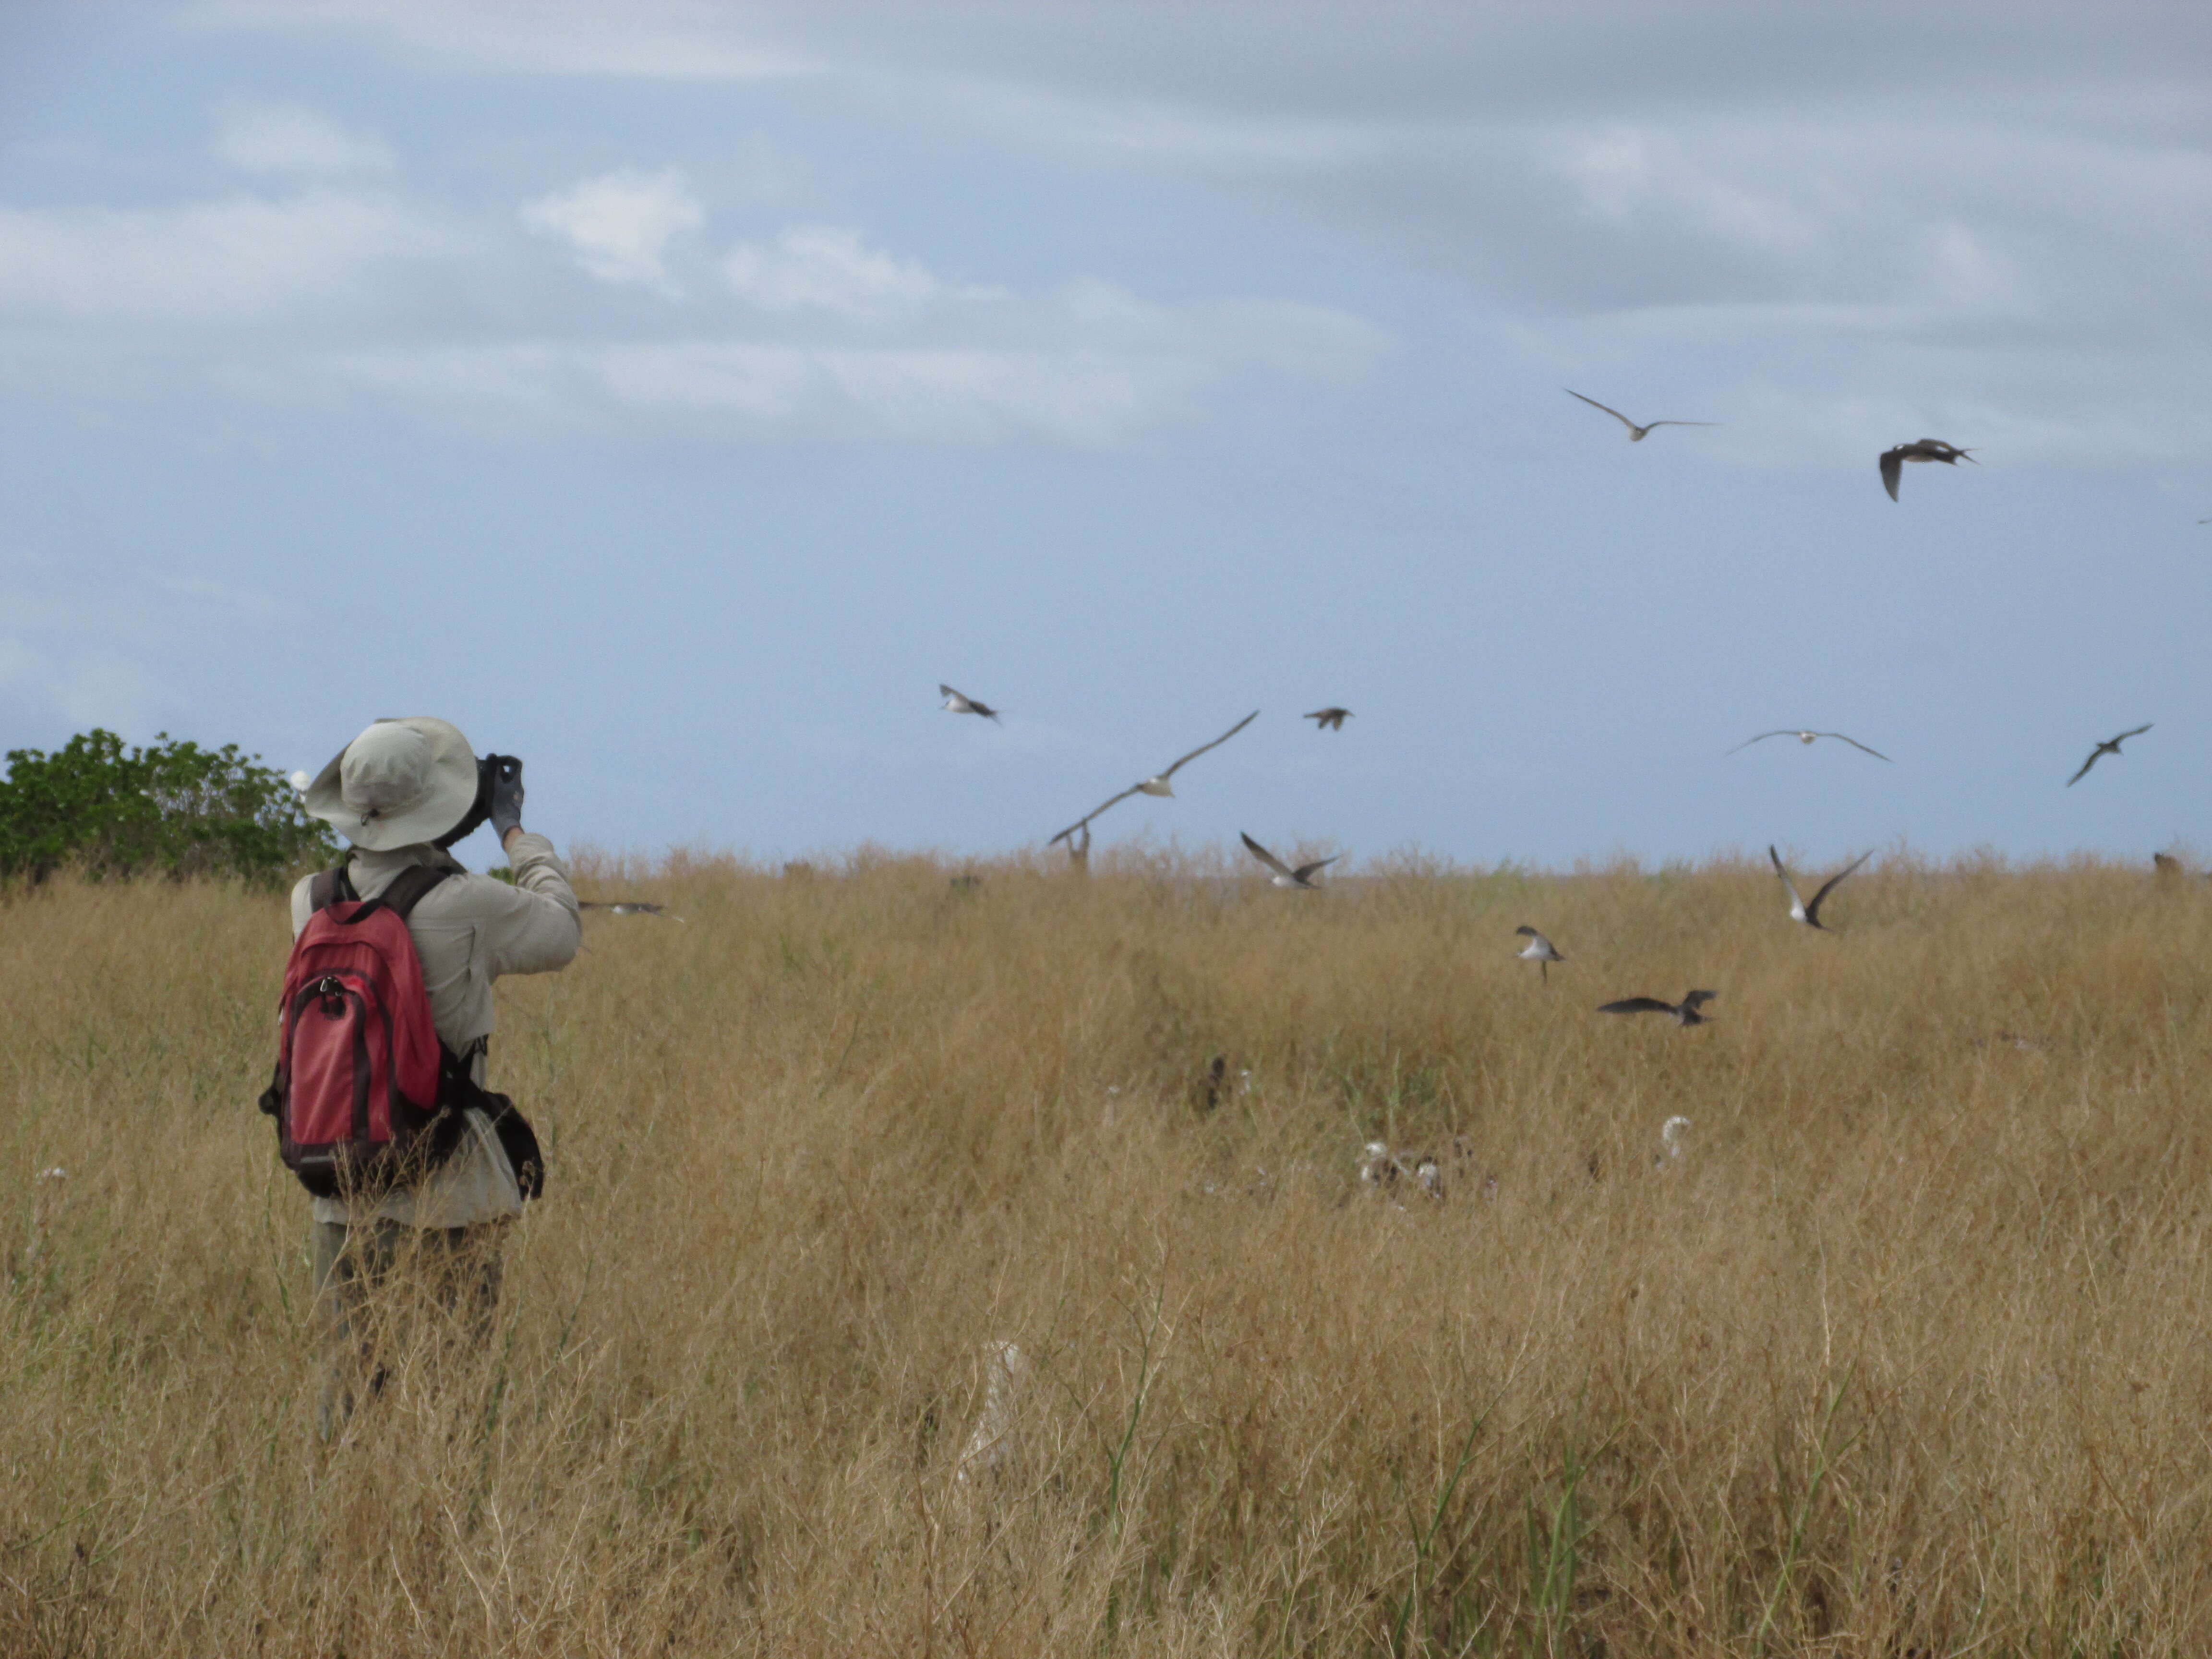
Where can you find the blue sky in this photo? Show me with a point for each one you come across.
(674, 394)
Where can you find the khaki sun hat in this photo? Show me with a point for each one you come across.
(399, 783)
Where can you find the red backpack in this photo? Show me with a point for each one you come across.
(363, 1096)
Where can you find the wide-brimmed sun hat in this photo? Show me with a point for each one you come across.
(399, 783)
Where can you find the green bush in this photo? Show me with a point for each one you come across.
(174, 808)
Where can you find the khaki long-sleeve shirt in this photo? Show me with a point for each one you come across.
(468, 930)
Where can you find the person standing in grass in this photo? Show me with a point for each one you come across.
(402, 792)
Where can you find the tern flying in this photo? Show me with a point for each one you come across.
(1539, 950)
(960, 705)
(1810, 914)
(1285, 876)
(1331, 719)
(1636, 434)
(1684, 1012)
(1921, 449)
(627, 908)
(2110, 746)
(1807, 737)
(1157, 783)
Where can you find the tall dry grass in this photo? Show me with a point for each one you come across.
(1908, 1354)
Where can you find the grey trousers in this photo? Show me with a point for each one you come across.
(388, 1294)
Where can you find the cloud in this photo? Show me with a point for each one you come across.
(293, 140)
(239, 261)
(685, 41)
(1089, 367)
(619, 225)
(336, 295)
(1843, 209)
(830, 268)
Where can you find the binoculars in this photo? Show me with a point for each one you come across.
(490, 769)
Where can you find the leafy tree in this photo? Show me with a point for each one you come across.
(174, 808)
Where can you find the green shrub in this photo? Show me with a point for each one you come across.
(172, 808)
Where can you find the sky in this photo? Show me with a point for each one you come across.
(674, 394)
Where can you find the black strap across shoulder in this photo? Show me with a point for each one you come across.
(400, 896)
(331, 887)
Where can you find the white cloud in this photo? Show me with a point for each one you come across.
(237, 261)
(830, 268)
(2018, 206)
(293, 140)
(689, 40)
(619, 225)
(336, 296)
(1089, 367)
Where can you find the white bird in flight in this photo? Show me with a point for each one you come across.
(627, 908)
(962, 705)
(1810, 914)
(1636, 434)
(1285, 876)
(2110, 746)
(1807, 737)
(1539, 950)
(1921, 449)
(1157, 783)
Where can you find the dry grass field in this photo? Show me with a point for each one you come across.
(1906, 1353)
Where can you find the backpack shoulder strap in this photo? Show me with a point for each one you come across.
(401, 894)
(407, 888)
(330, 887)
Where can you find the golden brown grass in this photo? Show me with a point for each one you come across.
(1906, 1354)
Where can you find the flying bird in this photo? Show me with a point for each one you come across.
(1921, 449)
(1157, 783)
(1684, 1012)
(1285, 876)
(627, 908)
(1807, 737)
(1810, 914)
(2110, 746)
(960, 705)
(1636, 434)
(1331, 719)
(1539, 950)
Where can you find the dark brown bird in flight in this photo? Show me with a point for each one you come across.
(1636, 434)
(1331, 719)
(1921, 449)
(1684, 1012)
(2110, 746)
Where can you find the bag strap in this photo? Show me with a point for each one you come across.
(329, 887)
(401, 894)
(408, 886)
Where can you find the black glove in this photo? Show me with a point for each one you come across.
(506, 794)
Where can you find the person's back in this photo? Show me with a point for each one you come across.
(402, 791)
